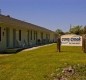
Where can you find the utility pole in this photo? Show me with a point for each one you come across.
(70, 27)
(0, 11)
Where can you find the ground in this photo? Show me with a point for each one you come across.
(40, 63)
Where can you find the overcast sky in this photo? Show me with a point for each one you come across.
(51, 14)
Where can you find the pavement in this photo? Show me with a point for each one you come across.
(29, 49)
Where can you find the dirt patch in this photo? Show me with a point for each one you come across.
(75, 72)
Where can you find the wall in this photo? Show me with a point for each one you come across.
(3, 39)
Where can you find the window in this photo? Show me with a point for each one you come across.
(0, 33)
(19, 35)
(28, 37)
(34, 35)
(31, 34)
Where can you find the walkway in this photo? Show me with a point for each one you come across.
(37, 47)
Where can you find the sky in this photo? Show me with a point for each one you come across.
(51, 14)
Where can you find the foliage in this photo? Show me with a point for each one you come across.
(84, 29)
(76, 30)
(59, 32)
(79, 30)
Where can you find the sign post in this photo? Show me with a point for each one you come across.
(58, 44)
(84, 43)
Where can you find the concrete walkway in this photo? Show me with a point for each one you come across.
(29, 49)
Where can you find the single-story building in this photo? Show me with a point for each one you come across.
(15, 33)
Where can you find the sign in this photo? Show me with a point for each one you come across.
(71, 40)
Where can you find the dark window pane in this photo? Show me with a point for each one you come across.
(0, 33)
(34, 35)
(31, 35)
(19, 35)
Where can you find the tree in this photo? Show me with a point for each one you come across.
(84, 29)
(76, 30)
(59, 32)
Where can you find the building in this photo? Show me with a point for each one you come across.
(15, 33)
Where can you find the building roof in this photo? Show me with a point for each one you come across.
(9, 21)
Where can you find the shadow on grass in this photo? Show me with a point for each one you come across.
(71, 51)
(13, 50)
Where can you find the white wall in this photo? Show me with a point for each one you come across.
(3, 39)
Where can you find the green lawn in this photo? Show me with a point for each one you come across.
(40, 63)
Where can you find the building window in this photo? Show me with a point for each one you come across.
(34, 34)
(31, 34)
(19, 35)
(0, 33)
(28, 35)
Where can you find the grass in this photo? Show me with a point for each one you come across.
(40, 63)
